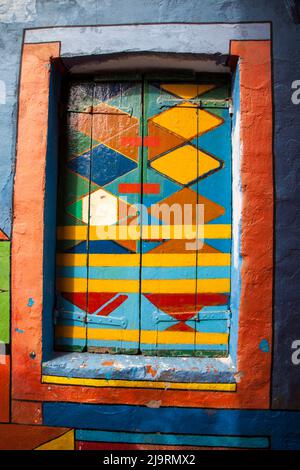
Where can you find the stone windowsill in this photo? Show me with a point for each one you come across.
(90, 369)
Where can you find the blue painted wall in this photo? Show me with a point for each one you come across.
(286, 59)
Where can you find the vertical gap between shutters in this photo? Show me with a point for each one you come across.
(142, 132)
(89, 212)
(197, 222)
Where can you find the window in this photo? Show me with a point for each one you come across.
(138, 159)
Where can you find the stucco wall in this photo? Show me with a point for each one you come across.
(17, 15)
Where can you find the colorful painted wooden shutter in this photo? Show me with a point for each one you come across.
(131, 156)
(186, 286)
(72, 232)
(98, 294)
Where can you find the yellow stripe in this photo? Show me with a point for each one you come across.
(218, 387)
(153, 286)
(149, 232)
(148, 260)
(147, 336)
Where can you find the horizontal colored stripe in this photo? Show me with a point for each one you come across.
(110, 345)
(228, 387)
(148, 232)
(148, 260)
(161, 337)
(137, 188)
(70, 341)
(154, 286)
(187, 417)
(255, 442)
(137, 141)
(152, 349)
(133, 273)
(145, 336)
(88, 445)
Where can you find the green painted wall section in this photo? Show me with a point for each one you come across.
(4, 291)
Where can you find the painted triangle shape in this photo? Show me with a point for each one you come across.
(90, 302)
(164, 140)
(187, 91)
(184, 306)
(3, 235)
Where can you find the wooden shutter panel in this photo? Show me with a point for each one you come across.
(163, 294)
(72, 237)
(113, 264)
(185, 289)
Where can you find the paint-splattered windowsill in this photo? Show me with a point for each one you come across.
(106, 370)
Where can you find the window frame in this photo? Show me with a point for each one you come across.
(255, 311)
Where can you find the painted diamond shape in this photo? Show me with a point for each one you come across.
(186, 164)
(187, 121)
(107, 165)
(101, 208)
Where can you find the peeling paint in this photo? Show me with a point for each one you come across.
(154, 404)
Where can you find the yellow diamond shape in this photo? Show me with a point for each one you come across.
(185, 164)
(187, 120)
(187, 90)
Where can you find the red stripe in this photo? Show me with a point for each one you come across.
(136, 188)
(113, 305)
(151, 141)
(84, 445)
(135, 141)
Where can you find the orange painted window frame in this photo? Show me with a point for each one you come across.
(255, 315)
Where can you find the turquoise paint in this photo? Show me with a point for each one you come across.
(132, 273)
(183, 347)
(129, 101)
(124, 366)
(150, 323)
(19, 331)
(264, 346)
(217, 143)
(30, 302)
(280, 428)
(122, 343)
(173, 439)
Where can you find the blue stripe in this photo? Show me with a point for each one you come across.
(172, 439)
(202, 326)
(132, 272)
(282, 426)
(152, 347)
(188, 347)
(134, 367)
(122, 343)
